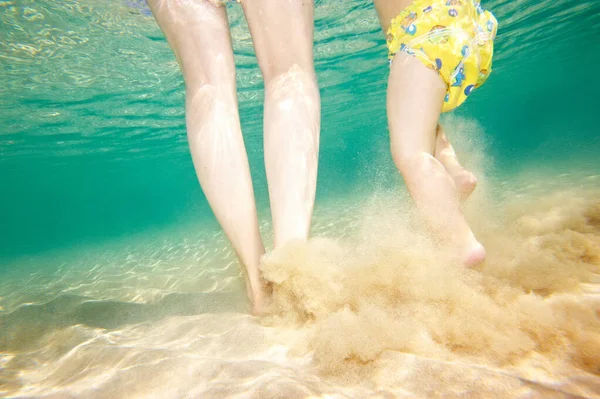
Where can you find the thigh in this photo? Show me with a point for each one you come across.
(282, 33)
(198, 33)
(414, 103)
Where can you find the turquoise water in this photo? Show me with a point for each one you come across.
(96, 173)
(93, 138)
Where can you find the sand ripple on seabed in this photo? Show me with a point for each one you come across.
(381, 314)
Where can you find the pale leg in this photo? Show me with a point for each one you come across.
(198, 33)
(282, 32)
(464, 180)
(414, 103)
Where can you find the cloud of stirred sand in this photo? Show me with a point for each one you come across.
(390, 289)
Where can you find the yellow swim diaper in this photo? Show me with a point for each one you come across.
(455, 38)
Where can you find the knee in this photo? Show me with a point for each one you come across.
(205, 69)
(291, 82)
(207, 90)
(210, 102)
(207, 94)
(415, 163)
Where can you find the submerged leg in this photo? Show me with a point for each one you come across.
(198, 33)
(464, 180)
(414, 103)
(282, 32)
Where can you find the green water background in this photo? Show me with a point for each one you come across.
(92, 133)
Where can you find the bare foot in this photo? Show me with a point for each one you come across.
(258, 305)
(261, 299)
(465, 184)
(474, 255)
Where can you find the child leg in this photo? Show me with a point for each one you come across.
(464, 180)
(198, 33)
(414, 103)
